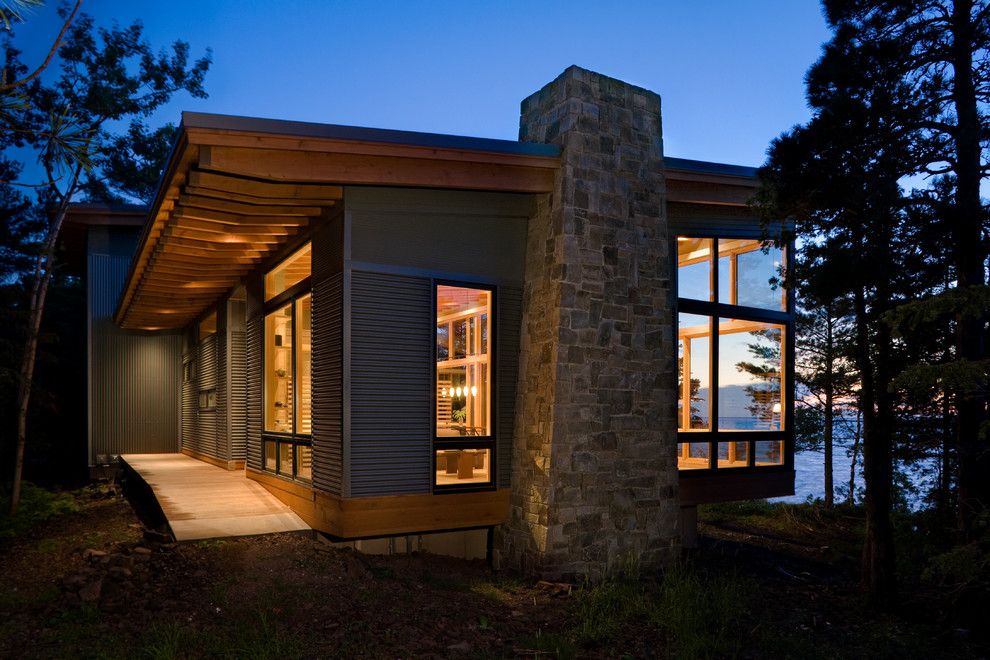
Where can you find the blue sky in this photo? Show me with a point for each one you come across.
(730, 73)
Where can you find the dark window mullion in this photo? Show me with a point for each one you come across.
(713, 362)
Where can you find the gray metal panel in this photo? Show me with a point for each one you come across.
(222, 438)
(254, 338)
(391, 335)
(473, 233)
(134, 377)
(206, 375)
(328, 384)
(508, 322)
(689, 219)
(190, 406)
(238, 396)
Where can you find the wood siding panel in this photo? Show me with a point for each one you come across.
(390, 375)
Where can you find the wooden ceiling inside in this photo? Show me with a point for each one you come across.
(232, 198)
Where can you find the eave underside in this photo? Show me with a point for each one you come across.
(231, 199)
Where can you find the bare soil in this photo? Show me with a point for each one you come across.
(298, 596)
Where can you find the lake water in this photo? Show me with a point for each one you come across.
(809, 476)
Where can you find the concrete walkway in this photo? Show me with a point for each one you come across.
(201, 501)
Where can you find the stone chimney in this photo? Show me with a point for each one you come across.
(593, 467)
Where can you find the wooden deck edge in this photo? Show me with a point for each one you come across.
(206, 458)
(371, 517)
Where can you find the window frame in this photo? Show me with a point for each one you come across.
(714, 310)
(294, 439)
(440, 443)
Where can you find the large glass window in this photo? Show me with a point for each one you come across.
(288, 382)
(290, 272)
(733, 364)
(463, 400)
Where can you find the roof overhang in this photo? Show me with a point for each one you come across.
(236, 189)
(701, 182)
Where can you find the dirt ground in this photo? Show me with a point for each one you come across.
(95, 584)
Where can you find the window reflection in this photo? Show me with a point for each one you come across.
(694, 358)
(745, 273)
(290, 272)
(463, 382)
(750, 364)
(278, 370)
(733, 454)
(694, 268)
(693, 456)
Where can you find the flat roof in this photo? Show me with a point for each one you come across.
(708, 167)
(361, 134)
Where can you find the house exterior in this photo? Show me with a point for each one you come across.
(560, 345)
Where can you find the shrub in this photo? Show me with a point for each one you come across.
(37, 505)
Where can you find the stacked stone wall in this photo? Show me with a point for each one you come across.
(594, 471)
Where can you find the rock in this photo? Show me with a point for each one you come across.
(91, 592)
(157, 537)
(555, 588)
(460, 647)
(141, 554)
(74, 582)
(93, 555)
(121, 560)
(119, 572)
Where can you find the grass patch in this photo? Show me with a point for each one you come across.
(37, 505)
(251, 634)
(701, 613)
(552, 645)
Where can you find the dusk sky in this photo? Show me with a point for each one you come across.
(730, 73)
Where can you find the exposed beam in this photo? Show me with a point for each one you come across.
(200, 202)
(263, 189)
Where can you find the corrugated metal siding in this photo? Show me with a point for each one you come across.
(390, 374)
(222, 439)
(328, 384)
(427, 229)
(206, 376)
(508, 319)
(254, 337)
(238, 396)
(134, 378)
(190, 406)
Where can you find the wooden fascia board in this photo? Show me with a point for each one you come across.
(149, 238)
(229, 138)
(360, 169)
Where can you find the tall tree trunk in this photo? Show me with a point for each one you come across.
(39, 292)
(829, 407)
(851, 498)
(878, 546)
(970, 256)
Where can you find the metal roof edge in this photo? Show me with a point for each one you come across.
(708, 167)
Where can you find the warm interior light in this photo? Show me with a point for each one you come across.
(474, 390)
(681, 239)
(776, 408)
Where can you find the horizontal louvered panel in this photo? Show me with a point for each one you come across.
(508, 320)
(328, 384)
(254, 340)
(238, 396)
(391, 355)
